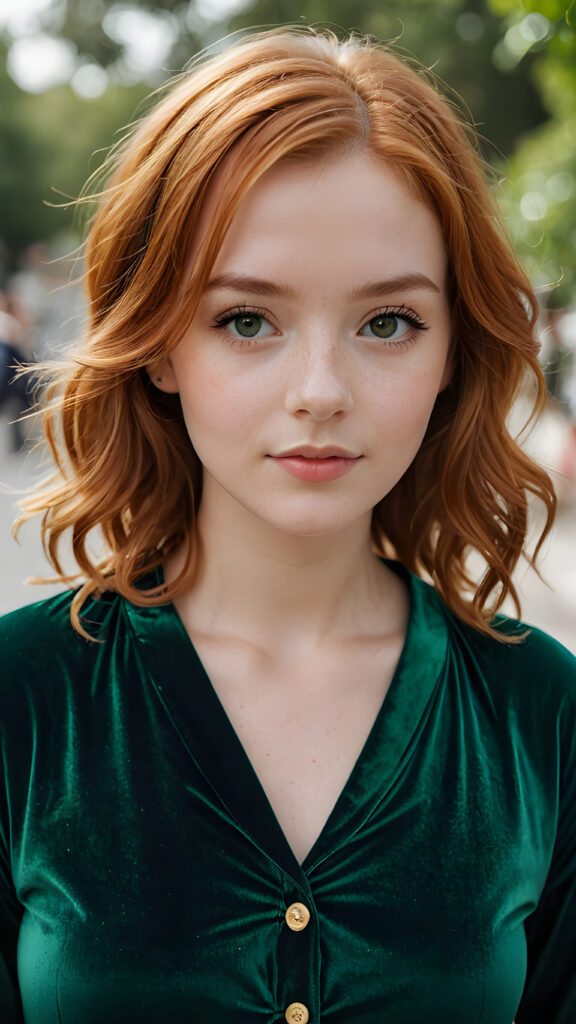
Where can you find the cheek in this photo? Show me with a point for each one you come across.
(217, 405)
(405, 403)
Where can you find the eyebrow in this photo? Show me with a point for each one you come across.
(258, 286)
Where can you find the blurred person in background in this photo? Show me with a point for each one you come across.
(15, 390)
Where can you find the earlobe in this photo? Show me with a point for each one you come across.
(163, 377)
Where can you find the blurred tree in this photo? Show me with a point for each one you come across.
(22, 216)
(539, 198)
(49, 144)
(106, 32)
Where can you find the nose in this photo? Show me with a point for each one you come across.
(319, 382)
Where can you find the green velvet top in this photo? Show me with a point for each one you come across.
(144, 877)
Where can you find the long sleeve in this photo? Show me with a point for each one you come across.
(550, 991)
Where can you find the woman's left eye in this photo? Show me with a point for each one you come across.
(393, 326)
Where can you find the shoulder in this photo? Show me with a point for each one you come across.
(40, 648)
(523, 654)
(527, 674)
(522, 670)
(44, 625)
(519, 658)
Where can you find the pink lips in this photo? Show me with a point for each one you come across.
(317, 465)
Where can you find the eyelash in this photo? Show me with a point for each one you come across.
(223, 319)
(402, 312)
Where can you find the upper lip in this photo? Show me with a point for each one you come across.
(308, 451)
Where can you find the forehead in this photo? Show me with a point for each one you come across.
(344, 214)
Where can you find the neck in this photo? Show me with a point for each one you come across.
(286, 591)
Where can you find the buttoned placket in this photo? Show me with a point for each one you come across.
(298, 956)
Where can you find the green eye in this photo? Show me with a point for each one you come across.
(247, 326)
(385, 326)
(244, 325)
(396, 325)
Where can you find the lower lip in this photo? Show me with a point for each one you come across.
(316, 470)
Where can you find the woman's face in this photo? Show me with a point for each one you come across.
(312, 365)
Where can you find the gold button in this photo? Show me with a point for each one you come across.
(297, 1013)
(297, 916)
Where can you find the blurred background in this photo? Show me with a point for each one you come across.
(74, 73)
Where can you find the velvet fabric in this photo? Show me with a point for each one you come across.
(144, 877)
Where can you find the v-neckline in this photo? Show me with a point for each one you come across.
(198, 715)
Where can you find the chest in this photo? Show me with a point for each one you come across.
(166, 904)
(302, 726)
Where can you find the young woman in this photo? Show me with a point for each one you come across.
(257, 767)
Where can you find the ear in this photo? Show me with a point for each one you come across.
(163, 377)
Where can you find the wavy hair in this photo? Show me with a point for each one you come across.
(125, 464)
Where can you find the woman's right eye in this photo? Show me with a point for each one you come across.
(244, 325)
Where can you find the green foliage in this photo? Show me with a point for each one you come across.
(49, 144)
(538, 201)
(551, 9)
(539, 198)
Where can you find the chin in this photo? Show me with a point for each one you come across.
(318, 526)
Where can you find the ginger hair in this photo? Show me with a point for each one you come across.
(125, 464)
